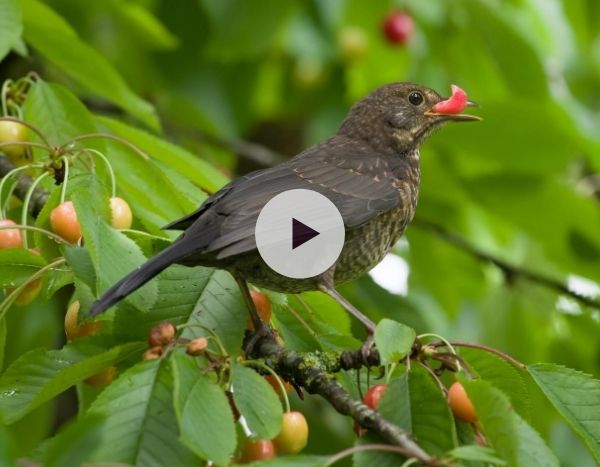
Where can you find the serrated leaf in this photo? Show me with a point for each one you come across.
(56, 112)
(50, 35)
(141, 426)
(576, 396)
(114, 254)
(394, 340)
(432, 423)
(475, 453)
(205, 418)
(40, 375)
(395, 403)
(17, 264)
(511, 437)
(199, 171)
(500, 374)
(257, 402)
(10, 25)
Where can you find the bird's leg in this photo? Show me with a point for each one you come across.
(369, 325)
(260, 328)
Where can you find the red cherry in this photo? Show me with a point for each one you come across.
(373, 395)
(398, 28)
(63, 219)
(257, 450)
(10, 238)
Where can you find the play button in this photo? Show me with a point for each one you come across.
(299, 233)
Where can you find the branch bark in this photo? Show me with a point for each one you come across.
(311, 371)
(24, 181)
(510, 270)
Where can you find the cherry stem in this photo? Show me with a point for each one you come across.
(486, 348)
(8, 301)
(37, 229)
(265, 367)
(47, 145)
(130, 145)
(63, 190)
(145, 234)
(26, 203)
(368, 447)
(5, 87)
(6, 177)
(447, 344)
(111, 172)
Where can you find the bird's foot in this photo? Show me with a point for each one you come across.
(367, 347)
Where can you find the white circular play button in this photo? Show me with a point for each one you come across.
(299, 233)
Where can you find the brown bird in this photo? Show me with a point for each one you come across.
(370, 171)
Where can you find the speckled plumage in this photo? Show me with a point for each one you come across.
(369, 170)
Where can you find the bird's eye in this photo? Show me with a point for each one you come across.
(415, 98)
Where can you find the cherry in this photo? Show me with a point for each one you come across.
(153, 353)
(29, 293)
(455, 104)
(63, 219)
(13, 132)
(72, 328)
(161, 334)
(293, 435)
(121, 213)
(197, 346)
(256, 450)
(263, 308)
(101, 379)
(10, 238)
(373, 395)
(398, 28)
(461, 405)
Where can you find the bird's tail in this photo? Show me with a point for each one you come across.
(138, 277)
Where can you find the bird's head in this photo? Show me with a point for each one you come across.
(399, 116)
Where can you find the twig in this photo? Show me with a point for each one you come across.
(24, 181)
(312, 374)
(509, 270)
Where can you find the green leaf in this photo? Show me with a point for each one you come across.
(8, 454)
(56, 112)
(257, 402)
(114, 254)
(500, 374)
(40, 375)
(10, 25)
(395, 403)
(432, 423)
(73, 445)
(203, 412)
(393, 340)
(512, 438)
(193, 167)
(475, 453)
(146, 27)
(17, 264)
(141, 426)
(576, 396)
(47, 32)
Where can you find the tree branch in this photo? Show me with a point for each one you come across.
(312, 372)
(510, 270)
(24, 181)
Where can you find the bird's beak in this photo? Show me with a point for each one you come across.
(456, 117)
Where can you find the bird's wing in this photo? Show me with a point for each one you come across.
(348, 179)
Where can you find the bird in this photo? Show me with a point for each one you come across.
(369, 169)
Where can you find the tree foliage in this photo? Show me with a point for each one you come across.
(161, 103)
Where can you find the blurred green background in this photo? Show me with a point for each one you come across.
(243, 84)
